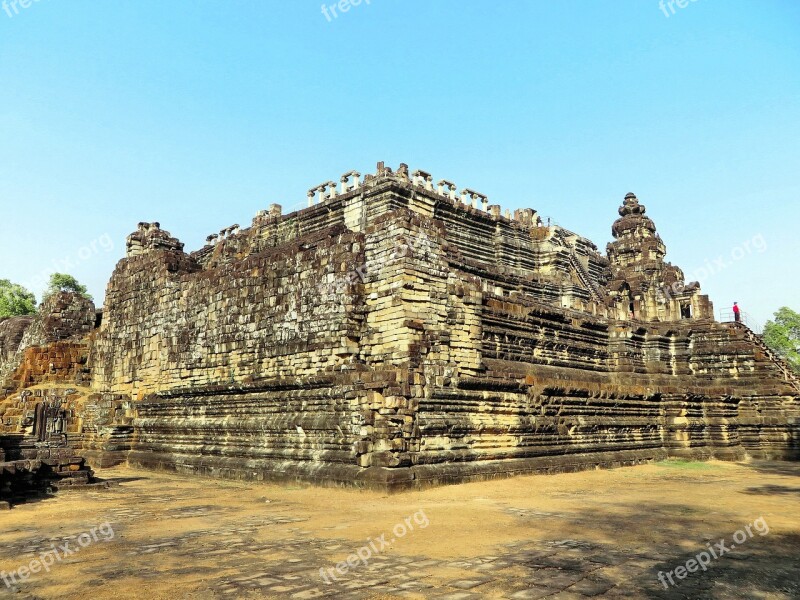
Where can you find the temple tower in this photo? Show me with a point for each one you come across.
(643, 285)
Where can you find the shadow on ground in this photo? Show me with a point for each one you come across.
(762, 566)
(770, 490)
(783, 468)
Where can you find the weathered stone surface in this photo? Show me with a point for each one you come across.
(11, 332)
(392, 335)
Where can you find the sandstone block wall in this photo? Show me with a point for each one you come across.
(168, 323)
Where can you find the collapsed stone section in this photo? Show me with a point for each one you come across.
(169, 323)
(65, 320)
(12, 330)
(396, 334)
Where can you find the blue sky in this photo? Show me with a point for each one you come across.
(198, 114)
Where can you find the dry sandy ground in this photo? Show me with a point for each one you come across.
(602, 534)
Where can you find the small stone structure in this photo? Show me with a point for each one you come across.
(397, 333)
(38, 465)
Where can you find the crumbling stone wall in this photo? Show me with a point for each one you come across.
(168, 323)
(61, 317)
(44, 377)
(226, 358)
(56, 362)
(11, 332)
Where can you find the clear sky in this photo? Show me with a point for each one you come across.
(198, 114)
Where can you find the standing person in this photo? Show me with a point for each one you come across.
(737, 314)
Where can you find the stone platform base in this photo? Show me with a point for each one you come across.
(417, 476)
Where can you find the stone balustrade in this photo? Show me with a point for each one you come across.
(422, 179)
(350, 181)
(447, 188)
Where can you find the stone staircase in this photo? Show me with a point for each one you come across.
(788, 374)
(583, 274)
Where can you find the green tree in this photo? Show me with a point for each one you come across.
(61, 282)
(15, 300)
(783, 336)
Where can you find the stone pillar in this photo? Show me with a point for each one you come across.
(331, 187)
(418, 178)
(451, 188)
(346, 186)
(478, 197)
(422, 178)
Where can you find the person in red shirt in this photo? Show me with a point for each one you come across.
(737, 315)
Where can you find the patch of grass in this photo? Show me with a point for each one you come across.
(688, 465)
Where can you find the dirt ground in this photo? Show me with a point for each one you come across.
(601, 534)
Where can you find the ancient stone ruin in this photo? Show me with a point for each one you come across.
(397, 333)
(37, 416)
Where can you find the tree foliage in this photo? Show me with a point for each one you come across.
(15, 300)
(783, 336)
(61, 282)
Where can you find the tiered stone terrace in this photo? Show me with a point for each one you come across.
(396, 333)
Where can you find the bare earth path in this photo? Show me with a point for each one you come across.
(601, 534)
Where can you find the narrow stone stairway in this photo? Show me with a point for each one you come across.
(788, 374)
